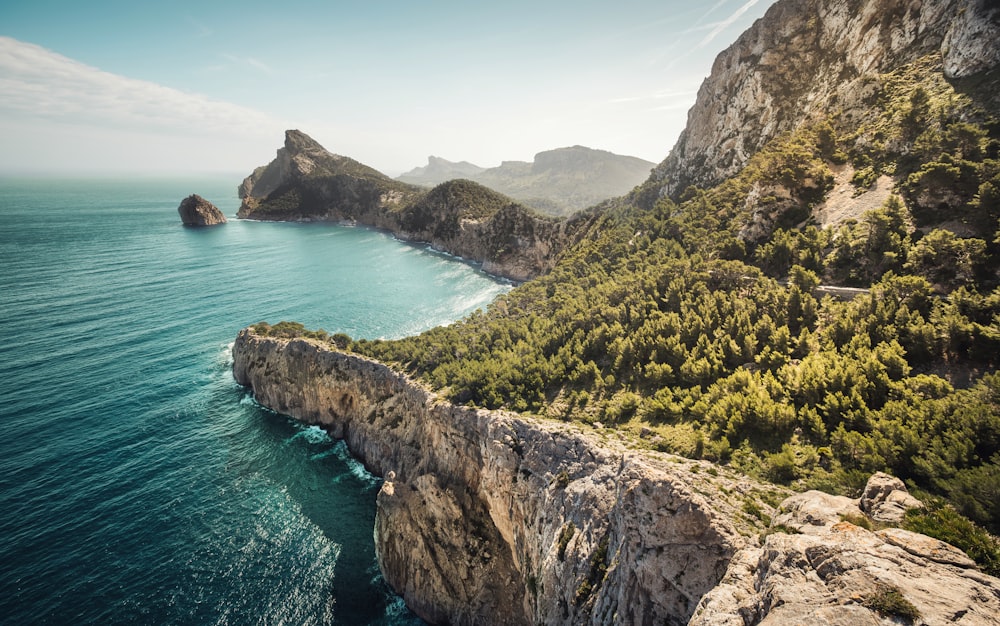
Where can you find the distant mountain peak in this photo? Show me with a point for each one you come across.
(557, 182)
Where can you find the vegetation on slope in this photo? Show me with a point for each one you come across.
(697, 325)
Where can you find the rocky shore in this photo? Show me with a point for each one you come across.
(489, 517)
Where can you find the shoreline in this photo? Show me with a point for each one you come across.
(492, 517)
(416, 243)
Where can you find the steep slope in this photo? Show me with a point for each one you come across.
(556, 182)
(806, 58)
(306, 182)
(694, 323)
(488, 517)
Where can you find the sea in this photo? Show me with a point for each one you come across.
(139, 484)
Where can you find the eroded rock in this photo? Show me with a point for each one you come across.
(833, 572)
(886, 499)
(197, 211)
(492, 518)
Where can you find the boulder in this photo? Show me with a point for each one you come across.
(886, 499)
(197, 211)
(815, 568)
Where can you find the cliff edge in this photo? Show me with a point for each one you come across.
(492, 518)
(488, 517)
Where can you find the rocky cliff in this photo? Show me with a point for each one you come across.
(492, 518)
(197, 211)
(306, 182)
(806, 59)
(556, 182)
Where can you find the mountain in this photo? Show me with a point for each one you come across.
(557, 182)
(306, 182)
(805, 60)
(439, 170)
(677, 423)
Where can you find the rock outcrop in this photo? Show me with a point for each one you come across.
(808, 58)
(492, 518)
(305, 182)
(197, 211)
(820, 568)
(886, 499)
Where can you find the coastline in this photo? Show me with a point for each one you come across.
(493, 517)
(416, 243)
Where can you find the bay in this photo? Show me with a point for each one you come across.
(138, 482)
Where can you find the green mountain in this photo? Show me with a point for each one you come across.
(691, 318)
(836, 142)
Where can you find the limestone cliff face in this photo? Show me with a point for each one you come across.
(487, 517)
(491, 518)
(306, 182)
(807, 58)
(825, 570)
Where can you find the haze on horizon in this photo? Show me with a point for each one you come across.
(122, 87)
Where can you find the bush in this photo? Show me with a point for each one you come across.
(890, 601)
(942, 522)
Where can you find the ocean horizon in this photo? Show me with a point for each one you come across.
(138, 482)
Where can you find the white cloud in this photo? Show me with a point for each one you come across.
(726, 23)
(40, 84)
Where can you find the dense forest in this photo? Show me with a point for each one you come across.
(698, 326)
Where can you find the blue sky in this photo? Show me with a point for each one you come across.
(210, 86)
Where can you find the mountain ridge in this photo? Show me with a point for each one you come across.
(556, 182)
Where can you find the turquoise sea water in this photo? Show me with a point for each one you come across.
(138, 482)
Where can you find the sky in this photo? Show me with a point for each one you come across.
(183, 87)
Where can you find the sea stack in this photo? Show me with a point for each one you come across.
(197, 211)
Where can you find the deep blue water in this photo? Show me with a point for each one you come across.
(138, 482)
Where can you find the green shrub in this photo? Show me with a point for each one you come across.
(889, 601)
(942, 522)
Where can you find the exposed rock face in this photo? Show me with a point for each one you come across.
(305, 182)
(197, 211)
(886, 499)
(556, 182)
(491, 518)
(803, 56)
(833, 571)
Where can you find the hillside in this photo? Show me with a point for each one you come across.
(556, 182)
(669, 321)
(306, 182)
(689, 319)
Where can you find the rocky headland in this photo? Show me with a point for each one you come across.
(488, 517)
(197, 211)
(306, 182)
